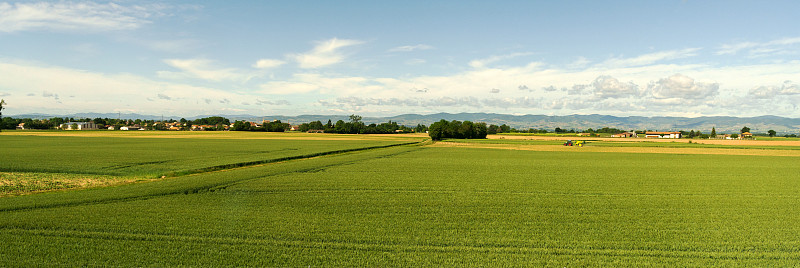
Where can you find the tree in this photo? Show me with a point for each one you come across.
(2, 102)
(771, 133)
(713, 132)
(355, 118)
(436, 130)
(745, 129)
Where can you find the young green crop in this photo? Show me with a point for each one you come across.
(152, 156)
(412, 206)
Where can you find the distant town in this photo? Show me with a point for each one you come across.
(352, 126)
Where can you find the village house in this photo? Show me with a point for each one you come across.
(623, 135)
(746, 135)
(21, 126)
(78, 126)
(663, 135)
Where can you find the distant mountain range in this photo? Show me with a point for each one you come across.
(727, 124)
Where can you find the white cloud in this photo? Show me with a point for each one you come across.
(324, 54)
(609, 87)
(202, 69)
(97, 92)
(74, 16)
(481, 63)
(410, 48)
(682, 87)
(769, 92)
(268, 63)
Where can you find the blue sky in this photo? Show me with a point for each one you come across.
(378, 58)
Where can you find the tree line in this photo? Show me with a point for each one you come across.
(356, 126)
(457, 130)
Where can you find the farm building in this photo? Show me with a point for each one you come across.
(663, 135)
(623, 135)
(746, 135)
(78, 126)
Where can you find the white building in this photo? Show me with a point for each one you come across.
(78, 126)
(663, 135)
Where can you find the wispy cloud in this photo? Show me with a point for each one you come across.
(268, 63)
(481, 63)
(202, 69)
(410, 48)
(650, 58)
(75, 16)
(324, 53)
(756, 49)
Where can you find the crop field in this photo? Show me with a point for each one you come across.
(411, 205)
(108, 153)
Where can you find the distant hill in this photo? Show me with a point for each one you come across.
(727, 124)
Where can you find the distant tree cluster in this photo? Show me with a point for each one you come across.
(457, 130)
(273, 126)
(494, 129)
(356, 126)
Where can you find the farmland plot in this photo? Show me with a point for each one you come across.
(411, 206)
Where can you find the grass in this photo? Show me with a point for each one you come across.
(423, 206)
(16, 183)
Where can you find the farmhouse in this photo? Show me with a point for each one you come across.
(746, 135)
(663, 135)
(78, 125)
(623, 135)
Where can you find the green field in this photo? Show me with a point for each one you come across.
(628, 143)
(411, 205)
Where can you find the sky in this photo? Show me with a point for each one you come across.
(384, 58)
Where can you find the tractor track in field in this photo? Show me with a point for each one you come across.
(382, 246)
